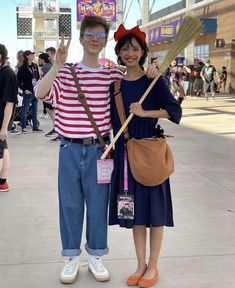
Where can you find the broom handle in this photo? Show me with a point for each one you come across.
(106, 152)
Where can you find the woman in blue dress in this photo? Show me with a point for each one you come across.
(152, 205)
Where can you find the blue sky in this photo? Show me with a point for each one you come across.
(8, 28)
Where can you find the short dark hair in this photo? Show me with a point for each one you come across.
(45, 57)
(27, 53)
(93, 21)
(3, 52)
(127, 39)
(51, 49)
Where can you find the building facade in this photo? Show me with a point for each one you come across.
(43, 21)
(217, 41)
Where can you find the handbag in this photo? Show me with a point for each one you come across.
(150, 159)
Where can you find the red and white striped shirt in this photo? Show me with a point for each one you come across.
(71, 119)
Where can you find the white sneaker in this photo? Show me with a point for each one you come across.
(98, 270)
(69, 272)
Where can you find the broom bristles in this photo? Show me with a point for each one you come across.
(188, 31)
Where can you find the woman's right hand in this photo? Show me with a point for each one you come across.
(62, 51)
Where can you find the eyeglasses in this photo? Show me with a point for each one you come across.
(99, 35)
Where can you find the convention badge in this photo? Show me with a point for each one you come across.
(34, 81)
(125, 206)
(104, 171)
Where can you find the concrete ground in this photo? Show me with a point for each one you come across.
(199, 252)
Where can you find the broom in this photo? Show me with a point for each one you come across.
(188, 31)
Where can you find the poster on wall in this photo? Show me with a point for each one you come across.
(164, 31)
(103, 8)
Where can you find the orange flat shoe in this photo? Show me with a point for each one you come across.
(133, 280)
(143, 282)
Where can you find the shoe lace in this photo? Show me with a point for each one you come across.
(97, 263)
(69, 267)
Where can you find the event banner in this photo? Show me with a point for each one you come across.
(104, 8)
(165, 31)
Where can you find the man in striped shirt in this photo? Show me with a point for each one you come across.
(80, 148)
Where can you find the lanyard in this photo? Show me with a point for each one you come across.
(32, 70)
(125, 172)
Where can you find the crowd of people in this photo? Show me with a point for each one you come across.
(28, 71)
(18, 103)
(57, 84)
(195, 80)
(181, 78)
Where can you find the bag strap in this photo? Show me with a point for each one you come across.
(82, 99)
(120, 106)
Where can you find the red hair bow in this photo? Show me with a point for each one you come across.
(122, 31)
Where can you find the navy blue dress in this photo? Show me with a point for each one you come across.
(153, 205)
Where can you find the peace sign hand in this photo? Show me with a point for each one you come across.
(62, 51)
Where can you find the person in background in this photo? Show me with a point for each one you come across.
(208, 73)
(223, 79)
(8, 98)
(173, 76)
(186, 70)
(152, 205)
(20, 60)
(51, 51)
(191, 80)
(28, 75)
(198, 83)
(45, 65)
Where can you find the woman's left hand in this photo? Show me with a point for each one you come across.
(152, 71)
(137, 109)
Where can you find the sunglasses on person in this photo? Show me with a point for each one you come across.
(99, 35)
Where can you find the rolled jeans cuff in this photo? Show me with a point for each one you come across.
(71, 252)
(96, 252)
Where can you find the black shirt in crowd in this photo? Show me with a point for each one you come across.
(8, 89)
(27, 77)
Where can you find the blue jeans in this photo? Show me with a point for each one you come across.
(78, 187)
(27, 100)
